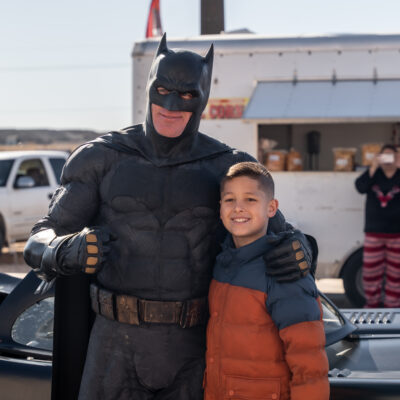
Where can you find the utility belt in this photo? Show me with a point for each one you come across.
(133, 310)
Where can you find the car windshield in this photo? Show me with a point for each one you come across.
(331, 317)
(5, 168)
(34, 327)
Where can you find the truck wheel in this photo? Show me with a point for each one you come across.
(352, 278)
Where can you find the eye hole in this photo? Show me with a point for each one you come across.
(186, 96)
(161, 90)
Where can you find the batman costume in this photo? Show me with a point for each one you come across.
(137, 218)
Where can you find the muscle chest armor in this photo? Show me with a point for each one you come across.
(166, 223)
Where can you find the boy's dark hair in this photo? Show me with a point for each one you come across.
(389, 147)
(254, 171)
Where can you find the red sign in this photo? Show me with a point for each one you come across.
(225, 108)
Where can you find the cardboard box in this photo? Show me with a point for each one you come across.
(264, 146)
(294, 161)
(368, 152)
(276, 160)
(344, 158)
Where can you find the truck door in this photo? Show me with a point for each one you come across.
(29, 197)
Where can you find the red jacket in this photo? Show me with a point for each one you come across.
(265, 340)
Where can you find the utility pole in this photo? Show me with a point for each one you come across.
(212, 16)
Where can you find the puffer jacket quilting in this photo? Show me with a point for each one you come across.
(265, 340)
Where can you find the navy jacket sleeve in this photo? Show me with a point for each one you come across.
(293, 302)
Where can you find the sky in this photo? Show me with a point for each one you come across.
(67, 64)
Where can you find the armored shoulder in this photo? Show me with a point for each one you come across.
(88, 163)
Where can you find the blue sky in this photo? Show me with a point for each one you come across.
(67, 64)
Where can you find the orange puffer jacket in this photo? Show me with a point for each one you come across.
(265, 340)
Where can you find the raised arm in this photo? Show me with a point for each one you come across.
(366, 179)
(364, 182)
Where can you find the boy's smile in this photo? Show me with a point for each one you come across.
(246, 209)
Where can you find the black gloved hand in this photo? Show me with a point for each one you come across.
(290, 257)
(84, 251)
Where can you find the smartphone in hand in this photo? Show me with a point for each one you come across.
(386, 158)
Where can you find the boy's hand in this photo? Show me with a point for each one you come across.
(290, 257)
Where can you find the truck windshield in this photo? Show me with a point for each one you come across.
(5, 168)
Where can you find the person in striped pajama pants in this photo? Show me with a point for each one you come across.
(381, 257)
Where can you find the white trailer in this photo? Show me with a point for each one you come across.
(346, 87)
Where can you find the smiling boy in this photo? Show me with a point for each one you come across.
(264, 339)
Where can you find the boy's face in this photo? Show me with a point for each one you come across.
(246, 209)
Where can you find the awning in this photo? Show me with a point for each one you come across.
(325, 101)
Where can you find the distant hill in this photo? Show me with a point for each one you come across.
(13, 139)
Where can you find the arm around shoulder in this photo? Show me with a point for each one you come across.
(292, 255)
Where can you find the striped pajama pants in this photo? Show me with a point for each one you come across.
(381, 262)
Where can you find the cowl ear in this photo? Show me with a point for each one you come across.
(208, 59)
(162, 47)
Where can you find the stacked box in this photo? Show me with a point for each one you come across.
(344, 158)
(369, 151)
(294, 161)
(276, 160)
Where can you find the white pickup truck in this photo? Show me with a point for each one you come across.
(28, 179)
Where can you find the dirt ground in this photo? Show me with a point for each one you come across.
(12, 261)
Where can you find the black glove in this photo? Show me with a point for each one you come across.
(51, 255)
(84, 251)
(290, 257)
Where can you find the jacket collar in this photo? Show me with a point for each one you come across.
(232, 255)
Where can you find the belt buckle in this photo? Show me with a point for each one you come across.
(159, 312)
(127, 309)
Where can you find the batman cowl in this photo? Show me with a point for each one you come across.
(178, 71)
